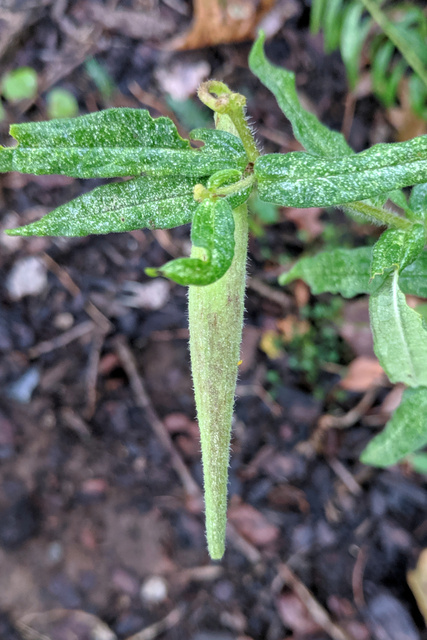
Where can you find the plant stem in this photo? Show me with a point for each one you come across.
(400, 43)
(379, 214)
(215, 321)
(232, 104)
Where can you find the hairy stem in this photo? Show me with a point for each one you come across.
(216, 321)
(378, 214)
(232, 104)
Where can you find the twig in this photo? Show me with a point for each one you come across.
(244, 390)
(154, 630)
(147, 99)
(92, 373)
(68, 283)
(270, 293)
(76, 423)
(347, 122)
(344, 421)
(143, 401)
(357, 577)
(345, 476)
(62, 340)
(316, 611)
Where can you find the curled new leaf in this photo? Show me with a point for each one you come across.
(146, 201)
(117, 142)
(300, 179)
(404, 433)
(212, 236)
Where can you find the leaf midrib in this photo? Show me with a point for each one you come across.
(397, 311)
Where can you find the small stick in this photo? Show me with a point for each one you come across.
(68, 283)
(143, 401)
(345, 476)
(264, 290)
(154, 630)
(357, 577)
(317, 612)
(92, 373)
(78, 331)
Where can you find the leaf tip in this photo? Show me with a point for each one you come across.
(152, 272)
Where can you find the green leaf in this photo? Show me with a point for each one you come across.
(418, 462)
(404, 433)
(343, 271)
(353, 34)
(413, 279)
(399, 198)
(117, 142)
(100, 76)
(19, 84)
(316, 14)
(212, 234)
(158, 203)
(418, 202)
(313, 135)
(400, 336)
(332, 24)
(397, 249)
(347, 272)
(384, 82)
(61, 104)
(300, 179)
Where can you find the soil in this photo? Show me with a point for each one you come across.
(100, 537)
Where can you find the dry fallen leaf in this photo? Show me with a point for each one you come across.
(295, 615)
(222, 21)
(363, 373)
(251, 524)
(403, 118)
(270, 344)
(417, 581)
(61, 623)
(291, 327)
(306, 220)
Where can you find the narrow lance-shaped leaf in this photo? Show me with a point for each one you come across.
(313, 135)
(302, 180)
(397, 249)
(117, 142)
(404, 433)
(400, 336)
(158, 203)
(344, 271)
(213, 231)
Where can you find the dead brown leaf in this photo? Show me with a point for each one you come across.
(363, 373)
(252, 525)
(306, 220)
(222, 21)
(407, 123)
(292, 327)
(61, 623)
(294, 615)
